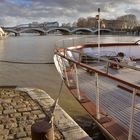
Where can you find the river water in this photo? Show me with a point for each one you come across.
(40, 49)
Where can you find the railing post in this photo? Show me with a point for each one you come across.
(64, 68)
(132, 115)
(64, 52)
(80, 56)
(97, 96)
(77, 82)
(107, 66)
(60, 64)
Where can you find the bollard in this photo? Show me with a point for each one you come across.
(42, 130)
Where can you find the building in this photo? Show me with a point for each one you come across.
(44, 25)
(52, 24)
(34, 24)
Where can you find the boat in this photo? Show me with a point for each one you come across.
(2, 34)
(111, 96)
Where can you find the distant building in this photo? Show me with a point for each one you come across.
(114, 24)
(52, 24)
(109, 24)
(44, 24)
(34, 24)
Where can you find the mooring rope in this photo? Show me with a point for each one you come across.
(24, 62)
(57, 99)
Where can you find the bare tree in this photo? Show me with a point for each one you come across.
(127, 21)
(82, 22)
(91, 22)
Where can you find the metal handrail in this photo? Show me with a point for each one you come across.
(98, 71)
(137, 41)
(107, 60)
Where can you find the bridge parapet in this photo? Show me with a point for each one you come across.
(64, 30)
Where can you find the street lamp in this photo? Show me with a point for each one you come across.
(98, 19)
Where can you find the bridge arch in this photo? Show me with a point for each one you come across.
(12, 31)
(63, 30)
(82, 30)
(39, 30)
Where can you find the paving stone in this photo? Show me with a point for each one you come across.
(1, 126)
(12, 131)
(1, 137)
(26, 113)
(5, 132)
(21, 134)
(10, 137)
(40, 116)
(22, 109)
(7, 100)
(30, 122)
(28, 133)
(5, 137)
(9, 111)
(28, 127)
(27, 138)
(35, 107)
(17, 114)
(32, 116)
(37, 112)
(1, 107)
(20, 106)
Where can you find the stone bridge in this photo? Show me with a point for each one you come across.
(63, 30)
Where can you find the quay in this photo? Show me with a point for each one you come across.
(22, 107)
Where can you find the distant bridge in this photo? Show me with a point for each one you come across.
(18, 30)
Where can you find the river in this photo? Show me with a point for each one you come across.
(40, 49)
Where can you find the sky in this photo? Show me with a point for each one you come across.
(16, 12)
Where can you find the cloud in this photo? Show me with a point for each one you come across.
(24, 11)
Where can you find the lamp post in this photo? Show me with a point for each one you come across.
(98, 19)
(99, 33)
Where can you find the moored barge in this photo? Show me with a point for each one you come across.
(111, 96)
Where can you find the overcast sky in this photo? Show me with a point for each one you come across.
(15, 12)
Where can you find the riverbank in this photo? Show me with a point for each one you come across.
(21, 107)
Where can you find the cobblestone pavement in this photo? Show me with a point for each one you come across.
(18, 112)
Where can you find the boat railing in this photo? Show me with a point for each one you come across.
(100, 84)
(137, 42)
(104, 56)
(74, 41)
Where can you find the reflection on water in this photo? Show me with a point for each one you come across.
(40, 49)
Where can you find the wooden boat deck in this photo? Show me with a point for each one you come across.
(126, 74)
(116, 102)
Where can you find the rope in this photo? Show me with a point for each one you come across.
(57, 99)
(23, 62)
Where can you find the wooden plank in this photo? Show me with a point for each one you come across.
(128, 89)
(117, 131)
